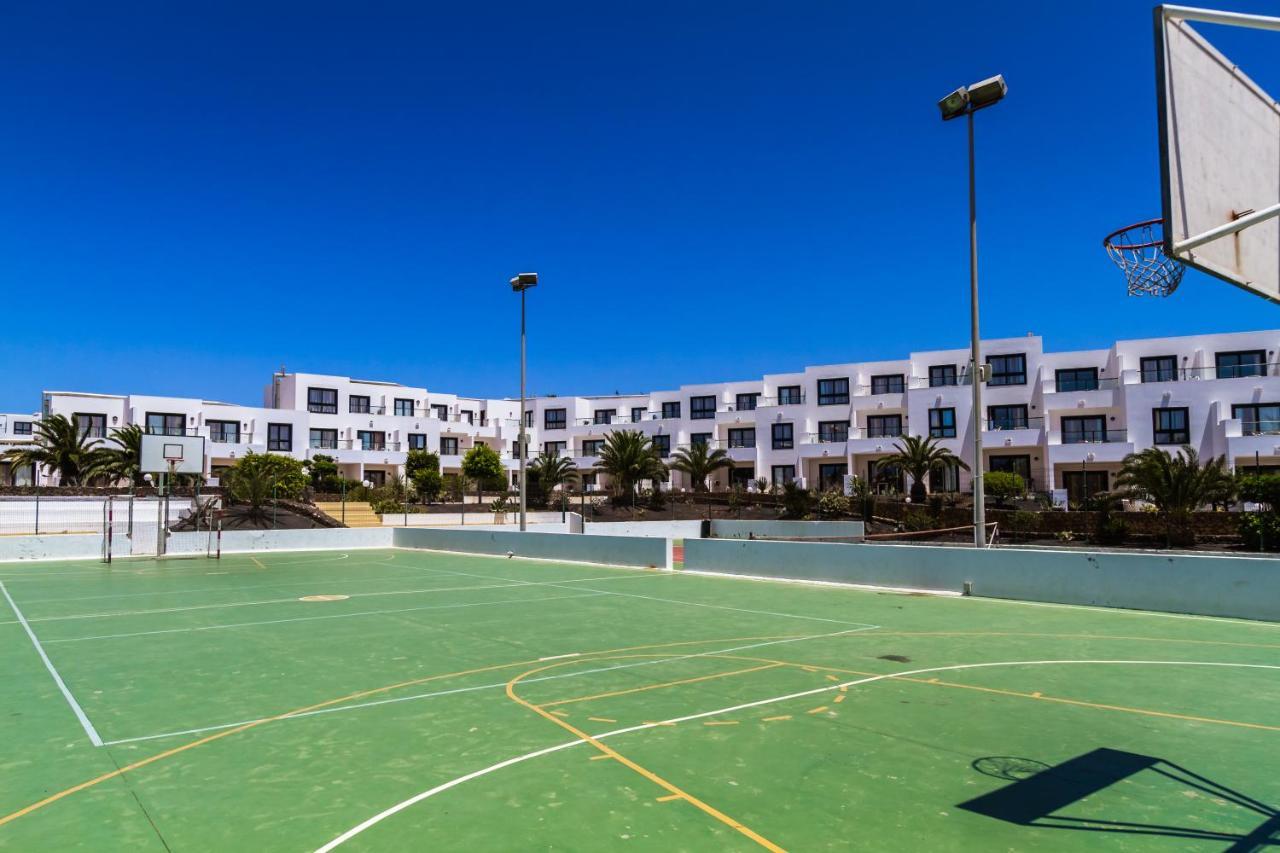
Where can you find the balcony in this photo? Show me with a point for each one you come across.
(784, 400)
(1193, 374)
(1013, 432)
(1089, 436)
(366, 409)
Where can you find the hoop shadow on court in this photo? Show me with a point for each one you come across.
(1040, 790)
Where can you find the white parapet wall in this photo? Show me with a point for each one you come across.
(469, 519)
(658, 529)
(729, 528)
(1207, 585)
(608, 550)
(315, 539)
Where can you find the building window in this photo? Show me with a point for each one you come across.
(831, 475)
(553, 448)
(1171, 426)
(553, 419)
(741, 478)
(790, 395)
(945, 478)
(884, 426)
(783, 474)
(833, 392)
(942, 374)
(1234, 365)
(159, 423)
(671, 410)
(700, 438)
(324, 439)
(885, 477)
(637, 414)
(448, 445)
(224, 432)
(280, 437)
(891, 384)
(358, 405)
(742, 437)
(1083, 485)
(1076, 379)
(322, 401)
(592, 448)
(528, 420)
(402, 407)
(1007, 369)
(372, 440)
(468, 415)
(22, 427)
(661, 445)
(833, 431)
(589, 482)
(376, 478)
(783, 437)
(942, 423)
(1258, 418)
(605, 416)
(417, 441)
(1159, 368)
(1084, 429)
(1007, 417)
(441, 412)
(1020, 465)
(91, 425)
(702, 408)
(747, 402)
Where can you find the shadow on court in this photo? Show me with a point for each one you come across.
(1037, 791)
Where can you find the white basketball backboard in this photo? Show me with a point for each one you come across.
(185, 452)
(1219, 154)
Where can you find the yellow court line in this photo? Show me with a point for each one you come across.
(599, 757)
(601, 720)
(832, 678)
(1147, 712)
(257, 562)
(840, 697)
(779, 717)
(721, 723)
(168, 753)
(561, 713)
(659, 686)
(669, 797)
(646, 773)
(817, 710)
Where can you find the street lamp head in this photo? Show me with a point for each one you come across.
(524, 281)
(954, 105)
(968, 99)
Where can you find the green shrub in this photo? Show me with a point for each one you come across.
(1003, 485)
(324, 473)
(918, 519)
(1260, 530)
(833, 504)
(428, 485)
(386, 506)
(656, 499)
(795, 501)
(868, 506)
(1024, 522)
(1261, 489)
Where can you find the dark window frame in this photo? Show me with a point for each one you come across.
(1006, 463)
(637, 413)
(96, 426)
(941, 375)
(1158, 368)
(166, 429)
(1241, 370)
(592, 446)
(1171, 435)
(780, 475)
(23, 427)
(560, 421)
(751, 398)
(396, 407)
(449, 445)
(829, 432)
(440, 411)
(415, 441)
(1086, 434)
(280, 437)
(554, 448)
(218, 432)
(790, 395)
(938, 427)
(833, 396)
(698, 410)
(877, 426)
(888, 383)
(779, 441)
(661, 445)
(1072, 383)
(741, 439)
(1007, 375)
(1021, 420)
(604, 416)
(327, 440)
(1257, 420)
(357, 408)
(324, 405)
(671, 410)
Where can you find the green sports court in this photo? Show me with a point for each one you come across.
(409, 699)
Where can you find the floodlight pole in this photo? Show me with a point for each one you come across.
(522, 283)
(975, 372)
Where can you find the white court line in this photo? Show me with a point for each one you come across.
(659, 598)
(319, 584)
(493, 686)
(475, 774)
(125, 562)
(589, 594)
(57, 679)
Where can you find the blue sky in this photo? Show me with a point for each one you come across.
(191, 196)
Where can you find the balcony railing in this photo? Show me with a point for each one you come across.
(1184, 374)
(155, 430)
(1104, 383)
(366, 409)
(1002, 424)
(322, 408)
(1095, 436)
(1262, 427)
(358, 444)
(219, 436)
(788, 400)
(324, 443)
(94, 432)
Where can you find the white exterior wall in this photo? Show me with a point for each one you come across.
(1122, 399)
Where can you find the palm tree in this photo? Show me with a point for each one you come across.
(1176, 484)
(553, 470)
(59, 446)
(124, 461)
(699, 461)
(628, 457)
(917, 457)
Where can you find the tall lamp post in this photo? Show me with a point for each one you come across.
(520, 284)
(966, 101)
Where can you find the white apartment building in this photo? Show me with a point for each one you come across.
(1062, 420)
